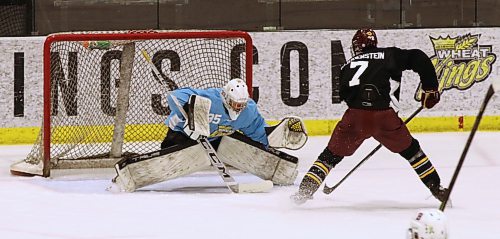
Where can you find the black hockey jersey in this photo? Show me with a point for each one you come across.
(365, 80)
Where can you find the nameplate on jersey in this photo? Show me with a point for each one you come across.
(370, 55)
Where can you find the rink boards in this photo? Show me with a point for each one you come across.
(295, 73)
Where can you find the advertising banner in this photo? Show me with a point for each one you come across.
(296, 73)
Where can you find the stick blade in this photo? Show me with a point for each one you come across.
(259, 187)
(328, 190)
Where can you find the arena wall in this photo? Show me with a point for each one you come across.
(295, 73)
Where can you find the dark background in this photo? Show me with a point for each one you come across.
(42, 17)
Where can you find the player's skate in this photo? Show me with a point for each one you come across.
(438, 191)
(306, 190)
(300, 198)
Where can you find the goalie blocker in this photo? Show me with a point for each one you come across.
(236, 150)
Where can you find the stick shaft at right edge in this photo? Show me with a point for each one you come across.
(489, 94)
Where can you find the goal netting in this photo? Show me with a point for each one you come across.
(103, 99)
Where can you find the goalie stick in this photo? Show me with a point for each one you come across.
(494, 87)
(215, 161)
(328, 190)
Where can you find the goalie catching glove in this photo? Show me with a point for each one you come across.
(197, 124)
(430, 98)
(290, 133)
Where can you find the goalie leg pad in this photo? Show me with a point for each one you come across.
(247, 155)
(158, 166)
(290, 133)
(286, 171)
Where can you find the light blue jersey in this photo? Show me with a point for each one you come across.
(249, 122)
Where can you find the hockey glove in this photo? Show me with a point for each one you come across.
(430, 98)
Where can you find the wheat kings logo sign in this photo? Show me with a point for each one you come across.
(460, 62)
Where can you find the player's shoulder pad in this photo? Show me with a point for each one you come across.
(393, 50)
(417, 54)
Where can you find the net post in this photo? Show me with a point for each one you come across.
(126, 66)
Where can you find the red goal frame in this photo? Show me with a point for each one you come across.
(130, 35)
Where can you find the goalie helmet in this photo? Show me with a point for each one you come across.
(428, 224)
(363, 38)
(235, 95)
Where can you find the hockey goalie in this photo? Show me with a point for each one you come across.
(231, 122)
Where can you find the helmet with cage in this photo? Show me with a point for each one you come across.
(235, 95)
(363, 39)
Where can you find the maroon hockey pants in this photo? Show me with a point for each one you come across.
(357, 125)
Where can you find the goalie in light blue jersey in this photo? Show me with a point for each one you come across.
(231, 110)
(235, 128)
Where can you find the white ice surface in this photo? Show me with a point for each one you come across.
(377, 201)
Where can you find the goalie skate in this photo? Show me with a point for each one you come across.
(115, 187)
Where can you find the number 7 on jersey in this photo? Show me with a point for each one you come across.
(362, 67)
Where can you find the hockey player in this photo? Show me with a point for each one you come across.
(235, 128)
(365, 85)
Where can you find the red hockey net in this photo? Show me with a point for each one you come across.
(103, 98)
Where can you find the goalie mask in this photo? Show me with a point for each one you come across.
(428, 224)
(363, 38)
(235, 95)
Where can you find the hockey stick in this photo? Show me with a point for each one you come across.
(215, 161)
(328, 190)
(494, 87)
